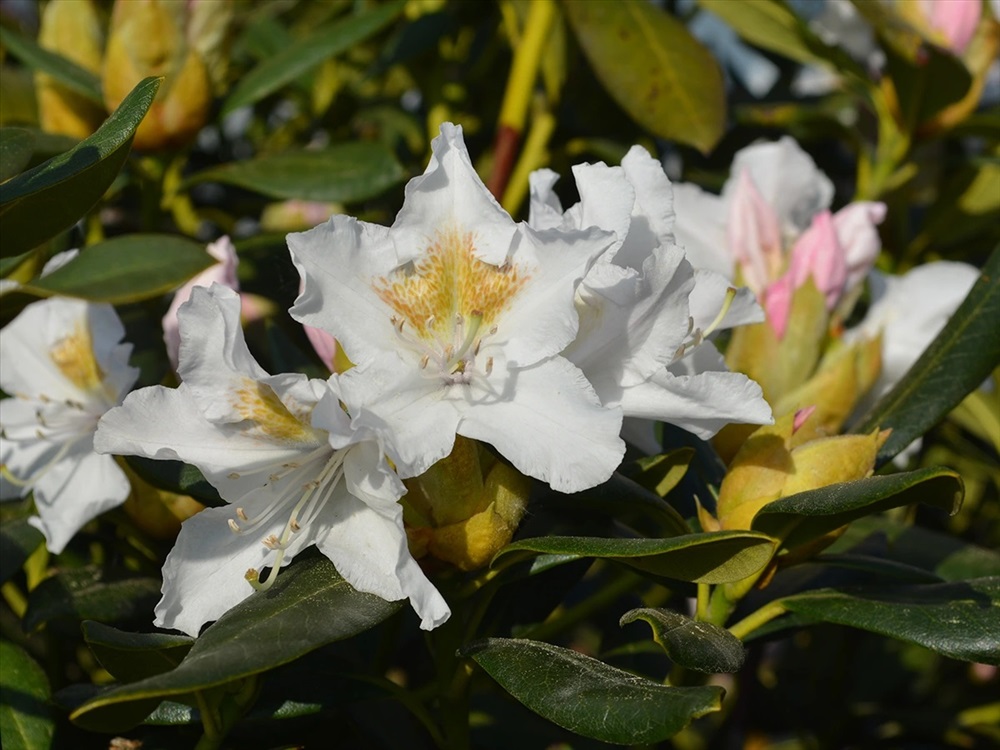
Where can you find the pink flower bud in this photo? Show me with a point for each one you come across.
(324, 344)
(754, 234)
(954, 20)
(855, 226)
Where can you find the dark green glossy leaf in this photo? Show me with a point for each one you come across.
(345, 173)
(772, 25)
(701, 646)
(943, 555)
(961, 357)
(18, 539)
(798, 519)
(960, 620)
(50, 198)
(64, 70)
(129, 268)
(301, 56)
(309, 606)
(177, 477)
(25, 717)
(589, 697)
(710, 557)
(91, 594)
(886, 569)
(134, 656)
(650, 64)
(16, 147)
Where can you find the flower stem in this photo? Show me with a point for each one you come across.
(517, 97)
(757, 619)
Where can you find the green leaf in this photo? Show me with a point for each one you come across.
(660, 474)
(177, 477)
(308, 606)
(709, 557)
(772, 25)
(91, 593)
(303, 55)
(25, 717)
(16, 147)
(18, 539)
(961, 357)
(884, 569)
(134, 656)
(651, 65)
(345, 173)
(621, 497)
(799, 519)
(589, 697)
(64, 70)
(689, 643)
(129, 268)
(960, 619)
(50, 198)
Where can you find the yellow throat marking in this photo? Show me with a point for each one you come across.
(74, 356)
(258, 403)
(447, 282)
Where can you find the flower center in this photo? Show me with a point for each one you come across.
(74, 356)
(303, 502)
(448, 302)
(258, 403)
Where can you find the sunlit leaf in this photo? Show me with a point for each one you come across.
(589, 697)
(134, 656)
(651, 65)
(344, 173)
(50, 198)
(129, 268)
(710, 557)
(960, 619)
(800, 518)
(689, 643)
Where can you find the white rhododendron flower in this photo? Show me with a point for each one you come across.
(63, 367)
(772, 228)
(909, 311)
(281, 450)
(456, 318)
(644, 312)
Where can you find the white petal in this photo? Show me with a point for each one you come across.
(73, 491)
(541, 319)
(701, 404)
(855, 225)
(606, 201)
(369, 550)
(410, 411)
(700, 228)
(26, 342)
(368, 476)
(223, 272)
(165, 423)
(449, 192)
(203, 576)
(653, 216)
(339, 261)
(787, 179)
(552, 427)
(214, 359)
(708, 297)
(545, 210)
